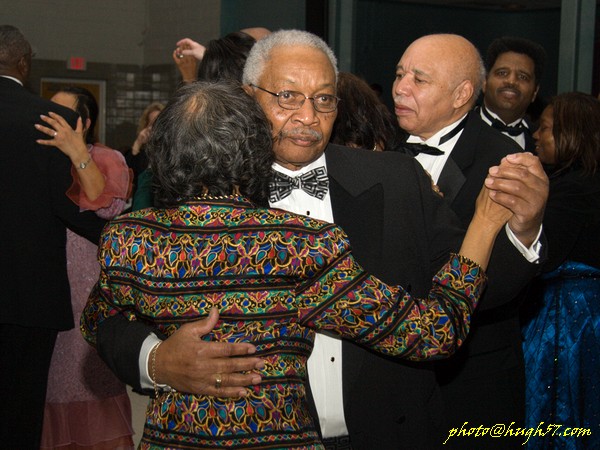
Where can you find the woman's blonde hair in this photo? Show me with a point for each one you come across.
(145, 118)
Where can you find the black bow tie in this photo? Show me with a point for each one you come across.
(314, 183)
(515, 130)
(414, 148)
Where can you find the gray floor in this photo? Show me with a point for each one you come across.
(138, 412)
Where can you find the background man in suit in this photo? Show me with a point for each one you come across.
(401, 230)
(514, 71)
(438, 79)
(35, 211)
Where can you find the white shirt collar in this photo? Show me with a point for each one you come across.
(435, 164)
(320, 161)
(12, 78)
(435, 139)
(496, 116)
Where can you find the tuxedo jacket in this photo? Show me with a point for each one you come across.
(490, 363)
(402, 232)
(478, 148)
(35, 213)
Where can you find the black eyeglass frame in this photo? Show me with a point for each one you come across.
(291, 107)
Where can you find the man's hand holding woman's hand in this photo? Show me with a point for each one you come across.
(520, 184)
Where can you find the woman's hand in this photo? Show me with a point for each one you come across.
(434, 186)
(189, 47)
(489, 211)
(521, 184)
(488, 220)
(141, 140)
(187, 56)
(70, 142)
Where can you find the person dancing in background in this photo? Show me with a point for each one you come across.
(33, 269)
(562, 322)
(136, 155)
(87, 407)
(225, 57)
(221, 59)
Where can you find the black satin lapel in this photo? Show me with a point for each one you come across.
(451, 180)
(360, 216)
(463, 156)
(362, 219)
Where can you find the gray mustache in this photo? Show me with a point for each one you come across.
(299, 132)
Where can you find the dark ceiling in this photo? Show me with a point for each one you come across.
(501, 5)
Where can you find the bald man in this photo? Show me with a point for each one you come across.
(438, 80)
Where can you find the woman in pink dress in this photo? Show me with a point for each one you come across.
(87, 407)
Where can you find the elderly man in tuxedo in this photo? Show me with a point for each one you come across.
(438, 79)
(33, 267)
(399, 228)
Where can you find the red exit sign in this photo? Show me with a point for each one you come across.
(76, 63)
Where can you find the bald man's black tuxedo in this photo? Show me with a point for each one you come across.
(484, 383)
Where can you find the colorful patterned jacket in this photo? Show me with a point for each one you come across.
(275, 278)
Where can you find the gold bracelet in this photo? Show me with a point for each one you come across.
(153, 368)
(83, 165)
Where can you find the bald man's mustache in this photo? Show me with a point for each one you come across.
(298, 133)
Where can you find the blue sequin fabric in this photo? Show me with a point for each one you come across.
(562, 359)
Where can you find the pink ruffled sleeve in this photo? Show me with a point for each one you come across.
(118, 183)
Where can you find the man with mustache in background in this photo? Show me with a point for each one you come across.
(514, 70)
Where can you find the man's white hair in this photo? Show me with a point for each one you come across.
(261, 51)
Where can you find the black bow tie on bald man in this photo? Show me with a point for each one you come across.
(414, 148)
(314, 183)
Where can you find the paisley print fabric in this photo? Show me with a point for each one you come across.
(275, 277)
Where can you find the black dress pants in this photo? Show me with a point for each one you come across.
(25, 355)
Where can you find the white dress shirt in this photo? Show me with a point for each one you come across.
(325, 362)
(431, 163)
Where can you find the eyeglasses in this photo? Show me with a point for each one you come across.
(294, 100)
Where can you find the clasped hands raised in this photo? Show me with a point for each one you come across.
(520, 185)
